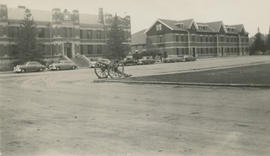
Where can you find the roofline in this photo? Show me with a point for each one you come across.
(195, 23)
(143, 31)
(158, 20)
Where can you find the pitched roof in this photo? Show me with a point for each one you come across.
(206, 27)
(187, 23)
(88, 19)
(138, 37)
(15, 13)
(215, 26)
(238, 27)
(46, 16)
(173, 23)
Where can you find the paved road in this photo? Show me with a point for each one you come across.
(65, 113)
(200, 64)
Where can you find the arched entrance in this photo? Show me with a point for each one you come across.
(194, 52)
(68, 49)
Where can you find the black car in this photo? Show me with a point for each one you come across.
(31, 66)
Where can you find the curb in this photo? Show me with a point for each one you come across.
(184, 83)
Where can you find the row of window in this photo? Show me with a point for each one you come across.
(184, 38)
(91, 34)
(63, 32)
(206, 51)
(181, 51)
(91, 49)
(210, 51)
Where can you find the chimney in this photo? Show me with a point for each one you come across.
(100, 16)
(3, 12)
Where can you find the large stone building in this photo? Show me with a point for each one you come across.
(61, 32)
(187, 37)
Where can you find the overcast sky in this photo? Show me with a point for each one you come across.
(251, 13)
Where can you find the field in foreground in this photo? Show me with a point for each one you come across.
(255, 74)
(64, 113)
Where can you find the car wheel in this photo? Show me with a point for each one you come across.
(57, 68)
(74, 67)
(23, 70)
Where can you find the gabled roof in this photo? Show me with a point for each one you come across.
(215, 26)
(238, 27)
(188, 23)
(139, 37)
(208, 27)
(172, 24)
(169, 23)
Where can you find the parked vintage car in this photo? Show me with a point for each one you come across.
(130, 62)
(30, 66)
(189, 58)
(146, 61)
(168, 60)
(63, 65)
(173, 59)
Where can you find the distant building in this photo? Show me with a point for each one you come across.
(138, 42)
(61, 32)
(187, 37)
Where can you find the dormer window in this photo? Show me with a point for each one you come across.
(180, 25)
(202, 27)
(230, 29)
(158, 27)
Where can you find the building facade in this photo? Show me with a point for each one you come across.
(61, 32)
(138, 42)
(187, 37)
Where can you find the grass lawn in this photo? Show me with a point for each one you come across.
(258, 74)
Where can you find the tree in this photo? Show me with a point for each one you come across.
(27, 47)
(116, 47)
(267, 42)
(258, 44)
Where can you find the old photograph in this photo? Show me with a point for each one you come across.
(134, 78)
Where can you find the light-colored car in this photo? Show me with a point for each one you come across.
(146, 61)
(173, 59)
(63, 65)
(30, 66)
